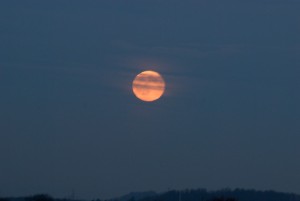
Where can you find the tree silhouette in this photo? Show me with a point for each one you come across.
(223, 199)
(40, 197)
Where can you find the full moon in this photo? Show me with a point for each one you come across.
(148, 86)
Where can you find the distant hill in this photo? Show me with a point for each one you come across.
(185, 195)
(237, 194)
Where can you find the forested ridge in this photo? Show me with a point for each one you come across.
(184, 195)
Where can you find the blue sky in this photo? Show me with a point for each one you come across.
(69, 120)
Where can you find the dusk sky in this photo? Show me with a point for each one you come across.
(69, 121)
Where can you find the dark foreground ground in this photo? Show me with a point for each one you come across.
(185, 195)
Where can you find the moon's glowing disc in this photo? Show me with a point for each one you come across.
(148, 86)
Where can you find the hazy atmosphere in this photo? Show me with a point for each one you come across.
(70, 122)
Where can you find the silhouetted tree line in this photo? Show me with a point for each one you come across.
(223, 195)
(4, 199)
(189, 195)
(39, 197)
(223, 199)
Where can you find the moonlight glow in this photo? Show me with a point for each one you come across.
(148, 86)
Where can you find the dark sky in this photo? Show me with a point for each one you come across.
(69, 120)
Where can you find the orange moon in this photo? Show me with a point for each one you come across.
(148, 86)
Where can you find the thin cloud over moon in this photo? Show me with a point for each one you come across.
(148, 86)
